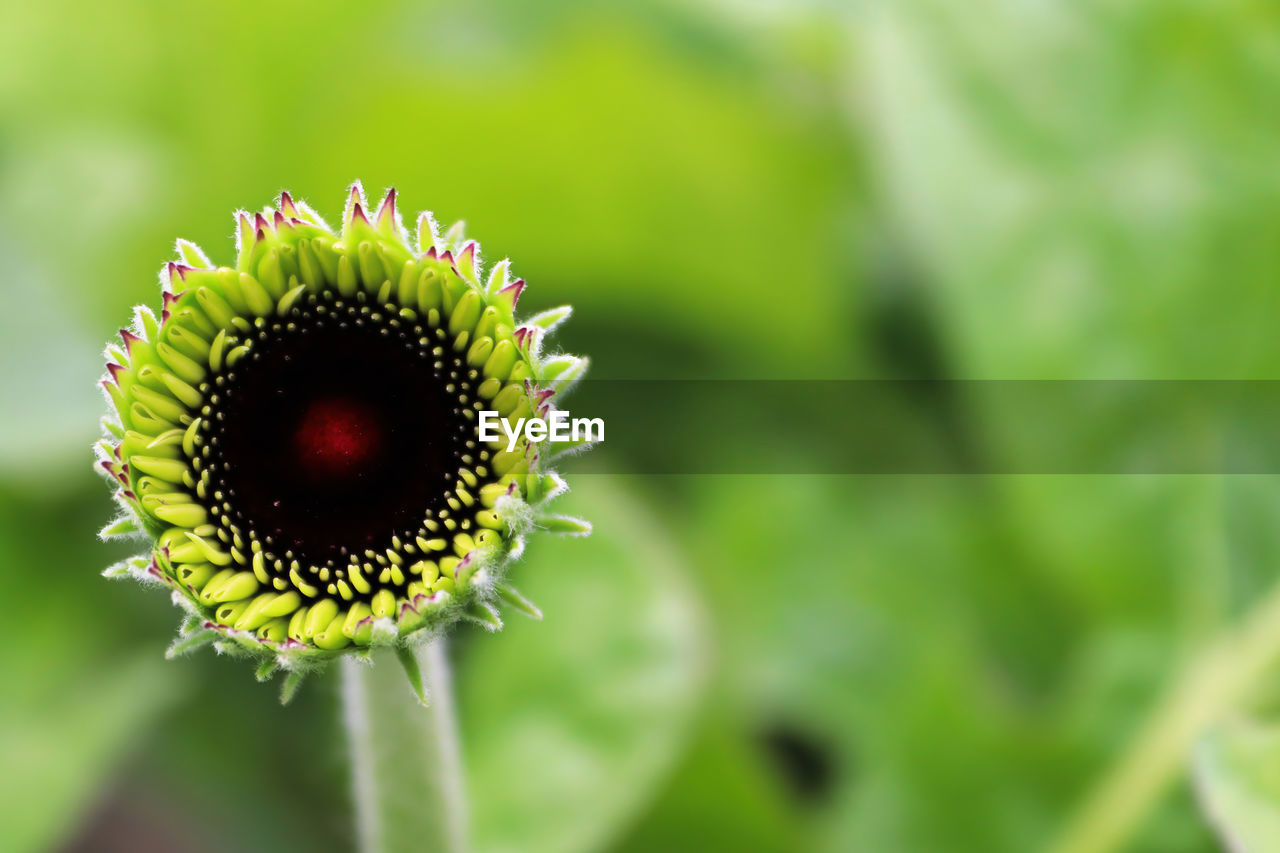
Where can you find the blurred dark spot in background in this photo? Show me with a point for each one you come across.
(804, 763)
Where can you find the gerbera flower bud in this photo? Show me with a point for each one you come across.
(297, 435)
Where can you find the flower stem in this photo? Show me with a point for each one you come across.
(406, 766)
(1211, 684)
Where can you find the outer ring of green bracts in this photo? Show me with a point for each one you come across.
(159, 378)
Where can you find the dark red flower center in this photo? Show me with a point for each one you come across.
(337, 437)
(338, 431)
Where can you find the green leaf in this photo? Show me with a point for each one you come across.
(78, 694)
(570, 723)
(61, 734)
(1237, 772)
(721, 790)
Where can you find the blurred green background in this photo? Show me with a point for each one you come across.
(738, 188)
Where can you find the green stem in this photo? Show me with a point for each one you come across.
(1213, 682)
(406, 764)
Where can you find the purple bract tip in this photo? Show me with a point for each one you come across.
(515, 289)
